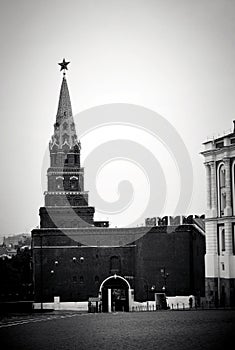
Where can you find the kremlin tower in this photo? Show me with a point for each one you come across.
(66, 202)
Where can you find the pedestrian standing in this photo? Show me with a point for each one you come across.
(190, 302)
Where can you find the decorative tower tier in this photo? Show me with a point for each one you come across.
(66, 202)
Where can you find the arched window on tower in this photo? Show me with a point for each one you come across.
(60, 183)
(221, 189)
(74, 183)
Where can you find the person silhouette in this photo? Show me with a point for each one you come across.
(190, 302)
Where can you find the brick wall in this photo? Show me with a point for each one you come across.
(66, 268)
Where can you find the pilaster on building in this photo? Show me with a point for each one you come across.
(219, 155)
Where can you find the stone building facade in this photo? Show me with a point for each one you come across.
(219, 157)
(76, 258)
(65, 267)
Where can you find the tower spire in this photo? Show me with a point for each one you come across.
(64, 105)
(64, 129)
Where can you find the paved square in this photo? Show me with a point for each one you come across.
(207, 329)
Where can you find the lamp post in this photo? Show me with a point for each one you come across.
(41, 272)
(164, 275)
(147, 288)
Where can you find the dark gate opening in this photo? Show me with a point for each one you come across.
(119, 295)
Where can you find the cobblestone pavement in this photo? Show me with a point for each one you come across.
(208, 329)
(11, 319)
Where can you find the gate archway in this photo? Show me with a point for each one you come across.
(114, 292)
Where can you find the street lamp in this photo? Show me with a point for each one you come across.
(147, 288)
(165, 275)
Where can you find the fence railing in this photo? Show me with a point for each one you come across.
(179, 306)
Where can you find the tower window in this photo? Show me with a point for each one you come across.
(74, 183)
(81, 279)
(60, 183)
(56, 126)
(72, 126)
(76, 149)
(65, 126)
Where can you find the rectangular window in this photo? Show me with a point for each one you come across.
(220, 144)
(220, 239)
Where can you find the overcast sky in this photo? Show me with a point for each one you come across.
(175, 57)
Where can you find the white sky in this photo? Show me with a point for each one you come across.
(174, 57)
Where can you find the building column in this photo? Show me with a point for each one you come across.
(130, 298)
(109, 300)
(228, 208)
(214, 191)
(208, 188)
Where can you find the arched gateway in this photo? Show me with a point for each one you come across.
(115, 292)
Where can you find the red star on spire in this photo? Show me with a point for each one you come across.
(63, 65)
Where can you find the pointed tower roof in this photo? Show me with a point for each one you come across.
(64, 106)
(64, 129)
